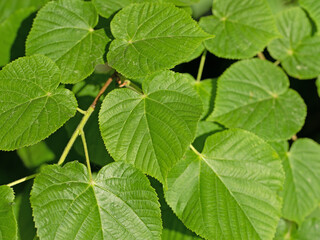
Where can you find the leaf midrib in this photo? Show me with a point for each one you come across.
(213, 169)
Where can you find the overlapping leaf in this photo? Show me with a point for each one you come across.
(32, 107)
(313, 8)
(108, 7)
(254, 95)
(118, 204)
(8, 223)
(161, 37)
(151, 130)
(12, 13)
(277, 6)
(318, 85)
(207, 92)
(230, 190)
(297, 50)
(302, 186)
(242, 28)
(63, 30)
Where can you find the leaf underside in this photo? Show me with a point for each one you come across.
(8, 223)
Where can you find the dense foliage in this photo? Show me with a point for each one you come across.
(159, 153)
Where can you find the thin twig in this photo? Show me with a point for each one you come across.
(83, 122)
(22, 180)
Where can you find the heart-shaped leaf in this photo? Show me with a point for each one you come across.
(63, 30)
(297, 50)
(31, 105)
(301, 193)
(8, 223)
(161, 37)
(254, 95)
(229, 191)
(118, 204)
(154, 129)
(242, 28)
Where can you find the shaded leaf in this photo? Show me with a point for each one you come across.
(63, 30)
(32, 106)
(254, 95)
(242, 28)
(154, 129)
(161, 37)
(118, 204)
(297, 50)
(8, 223)
(313, 8)
(35, 155)
(301, 193)
(230, 190)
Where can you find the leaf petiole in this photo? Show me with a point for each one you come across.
(201, 66)
(85, 147)
(22, 180)
(83, 122)
(81, 111)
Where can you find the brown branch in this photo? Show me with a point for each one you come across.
(102, 90)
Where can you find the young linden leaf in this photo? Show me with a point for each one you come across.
(63, 30)
(254, 95)
(8, 223)
(229, 191)
(297, 50)
(31, 105)
(313, 8)
(161, 37)
(243, 28)
(154, 129)
(301, 193)
(118, 204)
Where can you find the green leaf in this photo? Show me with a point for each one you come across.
(161, 37)
(297, 50)
(242, 28)
(63, 30)
(32, 107)
(106, 8)
(207, 92)
(23, 213)
(8, 223)
(118, 204)
(35, 155)
(277, 6)
(204, 130)
(309, 230)
(154, 129)
(301, 193)
(254, 95)
(12, 13)
(282, 148)
(230, 190)
(313, 8)
(282, 230)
